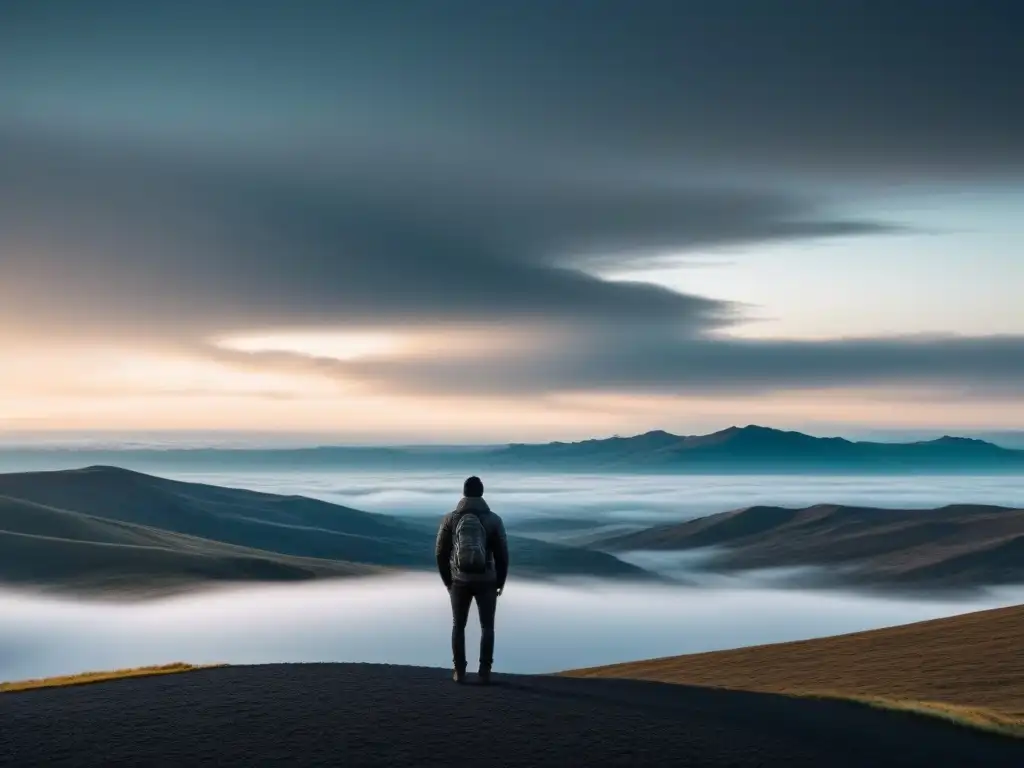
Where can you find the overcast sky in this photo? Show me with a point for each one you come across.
(449, 220)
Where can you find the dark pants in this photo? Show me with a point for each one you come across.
(486, 596)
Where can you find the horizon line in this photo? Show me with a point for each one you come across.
(179, 439)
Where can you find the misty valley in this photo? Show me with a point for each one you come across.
(107, 567)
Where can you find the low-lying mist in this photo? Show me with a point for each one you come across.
(624, 499)
(542, 627)
(406, 620)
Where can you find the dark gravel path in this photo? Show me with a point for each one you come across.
(363, 715)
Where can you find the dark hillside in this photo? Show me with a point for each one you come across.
(69, 513)
(960, 545)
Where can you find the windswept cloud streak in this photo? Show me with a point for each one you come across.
(662, 364)
(168, 242)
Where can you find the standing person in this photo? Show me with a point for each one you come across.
(472, 558)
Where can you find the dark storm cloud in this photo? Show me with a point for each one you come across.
(180, 170)
(114, 237)
(864, 87)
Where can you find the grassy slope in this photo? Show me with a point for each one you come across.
(85, 678)
(968, 667)
(954, 546)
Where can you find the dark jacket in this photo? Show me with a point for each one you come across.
(497, 545)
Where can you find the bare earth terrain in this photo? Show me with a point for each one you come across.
(363, 715)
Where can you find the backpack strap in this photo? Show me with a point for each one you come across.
(458, 514)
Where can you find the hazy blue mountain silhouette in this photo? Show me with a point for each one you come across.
(736, 449)
(754, 447)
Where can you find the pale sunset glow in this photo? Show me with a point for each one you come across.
(335, 345)
(397, 343)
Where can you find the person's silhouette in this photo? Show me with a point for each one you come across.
(472, 558)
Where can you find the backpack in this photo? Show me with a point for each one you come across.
(470, 544)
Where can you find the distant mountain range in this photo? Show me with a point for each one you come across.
(108, 529)
(754, 448)
(750, 449)
(957, 546)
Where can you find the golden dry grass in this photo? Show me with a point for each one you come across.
(967, 669)
(84, 678)
(972, 717)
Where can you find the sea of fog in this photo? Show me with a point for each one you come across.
(541, 627)
(406, 620)
(597, 498)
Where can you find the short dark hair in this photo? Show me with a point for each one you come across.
(473, 487)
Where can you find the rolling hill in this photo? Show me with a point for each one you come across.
(101, 525)
(972, 661)
(55, 549)
(957, 546)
